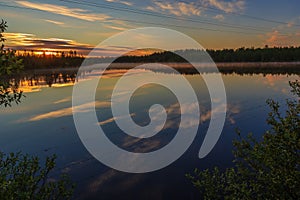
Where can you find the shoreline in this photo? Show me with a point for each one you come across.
(187, 68)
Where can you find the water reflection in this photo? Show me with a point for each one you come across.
(42, 125)
(33, 81)
(67, 111)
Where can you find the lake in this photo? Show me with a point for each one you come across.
(42, 124)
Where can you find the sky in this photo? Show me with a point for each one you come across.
(216, 24)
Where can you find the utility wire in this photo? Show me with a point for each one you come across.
(154, 14)
(187, 27)
(143, 22)
(217, 10)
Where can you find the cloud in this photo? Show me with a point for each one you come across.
(118, 25)
(232, 111)
(226, 6)
(206, 115)
(272, 81)
(285, 26)
(194, 8)
(107, 121)
(18, 38)
(283, 35)
(290, 24)
(276, 38)
(219, 17)
(118, 28)
(67, 99)
(121, 2)
(273, 36)
(77, 13)
(176, 8)
(26, 41)
(151, 8)
(87, 107)
(54, 22)
(120, 180)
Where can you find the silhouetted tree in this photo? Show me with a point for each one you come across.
(10, 64)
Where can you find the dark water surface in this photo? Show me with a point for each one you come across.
(43, 125)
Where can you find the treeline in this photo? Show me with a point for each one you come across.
(276, 54)
(43, 60)
(32, 60)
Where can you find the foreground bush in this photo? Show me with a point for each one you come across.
(23, 177)
(269, 169)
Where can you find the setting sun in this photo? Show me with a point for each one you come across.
(44, 52)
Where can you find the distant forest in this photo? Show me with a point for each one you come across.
(72, 59)
(276, 54)
(31, 60)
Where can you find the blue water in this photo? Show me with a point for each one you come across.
(43, 125)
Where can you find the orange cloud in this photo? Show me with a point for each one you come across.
(68, 111)
(54, 22)
(65, 11)
(290, 24)
(118, 28)
(276, 38)
(226, 6)
(272, 80)
(273, 36)
(176, 8)
(189, 9)
(25, 41)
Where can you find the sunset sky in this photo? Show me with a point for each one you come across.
(217, 24)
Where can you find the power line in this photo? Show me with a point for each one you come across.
(19, 7)
(142, 22)
(256, 18)
(187, 27)
(217, 10)
(143, 12)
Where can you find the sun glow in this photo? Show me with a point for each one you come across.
(45, 52)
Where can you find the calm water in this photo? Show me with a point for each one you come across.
(43, 125)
